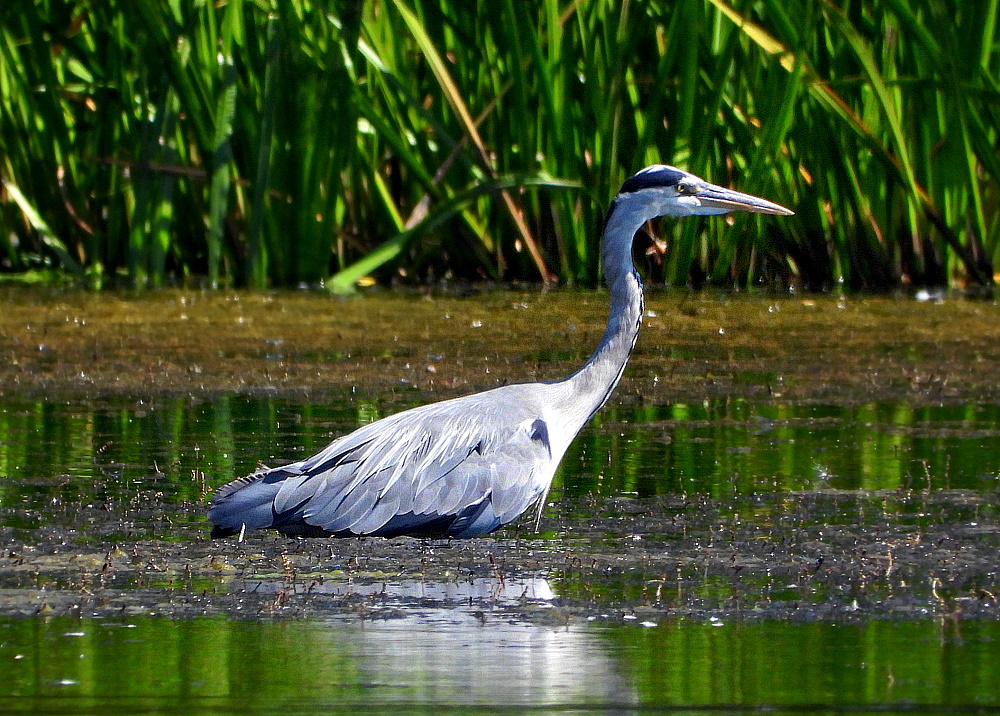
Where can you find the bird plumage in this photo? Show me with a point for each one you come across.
(464, 467)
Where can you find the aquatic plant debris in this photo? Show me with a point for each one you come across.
(843, 556)
(82, 345)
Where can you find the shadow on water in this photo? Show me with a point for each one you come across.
(748, 544)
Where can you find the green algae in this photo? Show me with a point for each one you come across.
(70, 345)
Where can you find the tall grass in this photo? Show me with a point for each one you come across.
(288, 142)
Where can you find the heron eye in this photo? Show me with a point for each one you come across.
(687, 189)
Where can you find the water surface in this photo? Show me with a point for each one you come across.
(717, 447)
(455, 661)
(789, 504)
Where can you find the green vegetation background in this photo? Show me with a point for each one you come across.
(297, 142)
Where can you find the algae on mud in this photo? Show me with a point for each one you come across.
(835, 350)
(842, 556)
(109, 527)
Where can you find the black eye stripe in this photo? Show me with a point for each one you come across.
(652, 178)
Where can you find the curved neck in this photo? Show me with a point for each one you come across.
(590, 386)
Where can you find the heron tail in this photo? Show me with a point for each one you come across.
(244, 504)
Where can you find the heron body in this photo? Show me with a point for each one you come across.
(465, 467)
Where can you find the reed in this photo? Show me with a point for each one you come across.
(294, 142)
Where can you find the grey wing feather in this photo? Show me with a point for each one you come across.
(480, 461)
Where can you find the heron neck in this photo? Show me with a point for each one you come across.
(590, 386)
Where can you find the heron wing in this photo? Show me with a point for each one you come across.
(452, 459)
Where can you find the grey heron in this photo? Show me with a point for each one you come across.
(464, 467)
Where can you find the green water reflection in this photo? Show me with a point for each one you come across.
(450, 659)
(735, 446)
(822, 665)
(83, 452)
(157, 462)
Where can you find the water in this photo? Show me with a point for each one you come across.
(723, 447)
(789, 506)
(454, 661)
(422, 641)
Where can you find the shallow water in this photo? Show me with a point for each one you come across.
(717, 447)
(401, 634)
(453, 660)
(787, 505)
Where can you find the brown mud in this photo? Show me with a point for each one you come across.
(824, 554)
(843, 556)
(79, 345)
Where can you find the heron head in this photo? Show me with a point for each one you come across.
(669, 191)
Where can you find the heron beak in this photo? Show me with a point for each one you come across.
(717, 197)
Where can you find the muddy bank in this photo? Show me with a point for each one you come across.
(807, 556)
(77, 345)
